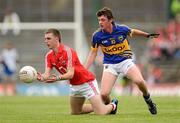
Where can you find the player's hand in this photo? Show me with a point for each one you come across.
(51, 78)
(153, 35)
(40, 77)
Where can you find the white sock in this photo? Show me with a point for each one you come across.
(113, 105)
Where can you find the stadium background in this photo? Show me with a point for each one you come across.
(145, 15)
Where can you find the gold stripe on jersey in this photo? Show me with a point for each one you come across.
(120, 48)
(127, 54)
(94, 49)
(131, 34)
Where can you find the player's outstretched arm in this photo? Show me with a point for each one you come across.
(142, 33)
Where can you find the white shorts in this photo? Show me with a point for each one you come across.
(120, 68)
(86, 90)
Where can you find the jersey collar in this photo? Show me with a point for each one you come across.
(60, 48)
(114, 28)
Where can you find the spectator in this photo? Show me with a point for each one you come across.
(9, 59)
(11, 21)
(1, 87)
(173, 28)
(173, 31)
(160, 48)
(165, 46)
(154, 74)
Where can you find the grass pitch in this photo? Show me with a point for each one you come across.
(21, 109)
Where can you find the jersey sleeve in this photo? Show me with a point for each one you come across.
(126, 29)
(94, 42)
(69, 57)
(48, 63)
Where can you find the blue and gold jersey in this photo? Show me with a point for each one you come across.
(115, 46)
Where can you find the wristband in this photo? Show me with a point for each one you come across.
(153, 35)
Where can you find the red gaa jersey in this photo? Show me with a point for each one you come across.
(68, 57)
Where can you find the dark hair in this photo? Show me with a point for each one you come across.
(55, 32)
(106, 12)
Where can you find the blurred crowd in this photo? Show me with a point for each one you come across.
(162, 50)
(167, 46)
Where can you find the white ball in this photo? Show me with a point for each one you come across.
(27, 74)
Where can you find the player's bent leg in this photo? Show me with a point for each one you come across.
(87, 108)
(135, 75)
(76, 104)
(100, 108)
(107, 83)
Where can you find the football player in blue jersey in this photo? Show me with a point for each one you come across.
(113, 40)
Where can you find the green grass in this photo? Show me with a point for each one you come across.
(20, 109)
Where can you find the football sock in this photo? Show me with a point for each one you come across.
(114, 106)
(147, 98)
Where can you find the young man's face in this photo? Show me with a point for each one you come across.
(51, 40)
(104, 22)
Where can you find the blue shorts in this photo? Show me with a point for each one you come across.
(7, 71)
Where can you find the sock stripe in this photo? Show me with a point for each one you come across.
(114, 106)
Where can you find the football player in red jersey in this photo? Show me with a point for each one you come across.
(83, 84)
